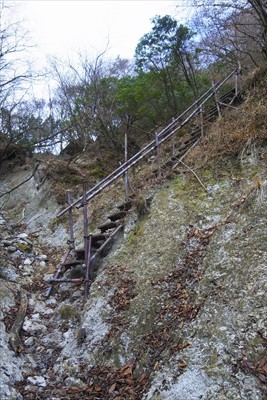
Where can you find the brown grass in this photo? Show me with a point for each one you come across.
(240, 128)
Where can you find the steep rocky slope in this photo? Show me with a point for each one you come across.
(178, 308)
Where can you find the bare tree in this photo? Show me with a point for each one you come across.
(234, 31)
(15, 71)
(86, 97)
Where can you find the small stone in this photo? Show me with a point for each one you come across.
(37, 380)
(42, 264)
(22, 236)
(24, 246)
(70, 382)
(30, 341)
(8, 272)
(11, 249)
(47, 277)
(27, 261)
(7, 242)
(17, 253)
(76, 295)
(42, 257)
(33, 326)
(51, 301)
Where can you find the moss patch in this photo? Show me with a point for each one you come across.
(68, 312)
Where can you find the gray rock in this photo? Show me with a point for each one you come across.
(6, 242)
(31, 326)
(11, 249)
(193, 384)
(24, 246)
(8, 271)
(22, 235)
(70, 381)
(42, 264)
(30, 341)
(27, 261)
(10, 366)
(37, 380)
(42, 257)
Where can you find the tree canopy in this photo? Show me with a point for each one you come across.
(99, 100)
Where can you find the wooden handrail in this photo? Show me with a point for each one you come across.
(166, 133)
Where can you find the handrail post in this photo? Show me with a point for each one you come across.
(216, 99)
(238, 88)
(173, 141)
(158, 153)
(71, 230)
(201, 120)
(126, 178)
(236, 83)
(58, 273)
(89, 274)
(163, 135)
(85, 225)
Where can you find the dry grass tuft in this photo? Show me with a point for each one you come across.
(240, 130)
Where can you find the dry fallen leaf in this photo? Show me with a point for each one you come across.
(112, 388)
(143, 378)
(127, 371)
(128, 368)
(182, 364)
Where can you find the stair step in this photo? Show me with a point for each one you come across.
(191, 140)
(125, 206)
(72, 263)
(108, 225)
(80, 257)
(100, 237)
(117, 216)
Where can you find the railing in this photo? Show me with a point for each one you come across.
(169, 131)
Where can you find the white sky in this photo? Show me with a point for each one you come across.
(62, 27)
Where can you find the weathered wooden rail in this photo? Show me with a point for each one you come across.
(95, 244)
(165, 134)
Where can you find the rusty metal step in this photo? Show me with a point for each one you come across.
(117, 216)
(125, 206)
(107, 226)
(72, 263)
(96, 242)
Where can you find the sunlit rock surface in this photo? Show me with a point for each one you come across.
(183, 293)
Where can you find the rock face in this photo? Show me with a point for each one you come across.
(33, 205)
(177, 311)
(10, 366)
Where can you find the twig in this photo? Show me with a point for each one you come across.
(193, 172)
(21, 183)
(185, 154)
(22, 216)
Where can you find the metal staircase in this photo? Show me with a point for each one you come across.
(197, 118)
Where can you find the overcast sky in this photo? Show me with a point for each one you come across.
(62, 27)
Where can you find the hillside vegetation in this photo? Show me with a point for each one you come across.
(178, 307)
